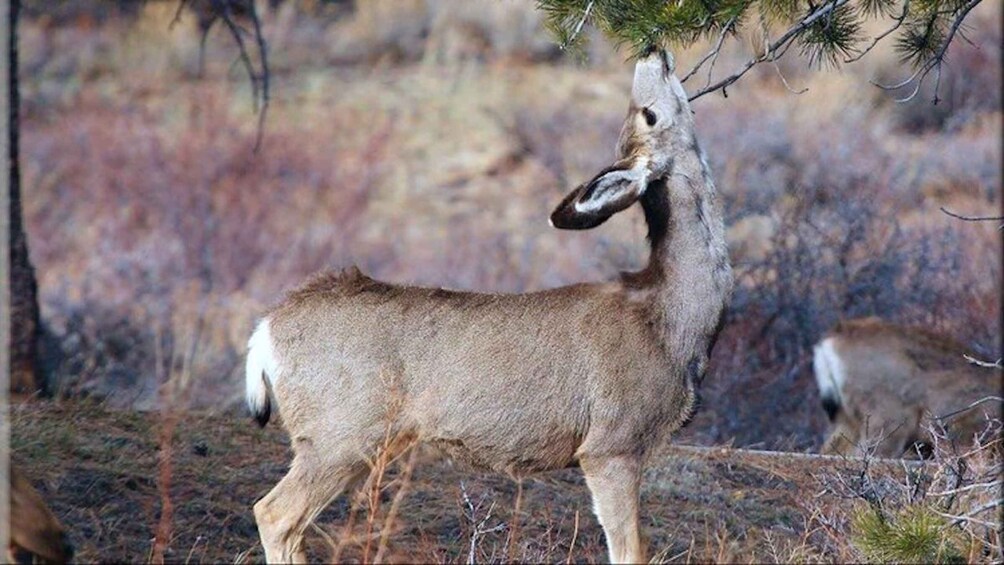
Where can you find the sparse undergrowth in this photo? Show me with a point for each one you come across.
(99, 471)
(912, 535)
(943, 510)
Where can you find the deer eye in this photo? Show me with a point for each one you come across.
(650, 117)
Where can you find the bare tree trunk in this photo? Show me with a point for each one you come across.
(24, 374)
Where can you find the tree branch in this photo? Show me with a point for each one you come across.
(771, 54)
(936, 60)
(578, 27)
(260, 79)
(177, 14)
(975, 218)
(985, 364)
(971, 406)
(711, 54)
(883, 35)
(990, 485)
(222, 8)
(265, 75)
(970, 516)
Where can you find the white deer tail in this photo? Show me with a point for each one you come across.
(261, 371)
(830, 376)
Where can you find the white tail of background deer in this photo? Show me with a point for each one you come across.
(592, 375)
(880, 383)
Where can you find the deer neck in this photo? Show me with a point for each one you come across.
(688, 279)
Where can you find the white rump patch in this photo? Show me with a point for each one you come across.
(829, 370)
(261, 364)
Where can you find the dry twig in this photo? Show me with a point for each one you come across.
(481, 528)
(934, 63)
(976, 219)
(774, 50)
(898, 23)
(260, 78)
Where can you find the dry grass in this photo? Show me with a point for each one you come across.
(97, 469)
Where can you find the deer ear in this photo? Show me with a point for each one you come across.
(592, 203)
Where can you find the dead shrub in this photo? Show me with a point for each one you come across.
(941, 510)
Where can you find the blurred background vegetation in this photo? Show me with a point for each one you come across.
(426, 141)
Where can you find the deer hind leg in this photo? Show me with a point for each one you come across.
(841, 441)
(848, 436)
(907, 433)
(284, 514)
(614, 483)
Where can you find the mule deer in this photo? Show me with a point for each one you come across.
(592, 375)
(879, 382)
(35, 533)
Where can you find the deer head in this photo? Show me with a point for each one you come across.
(657, 114)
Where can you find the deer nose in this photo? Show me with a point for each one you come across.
(661, 59)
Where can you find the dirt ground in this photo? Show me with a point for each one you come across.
(107, 478)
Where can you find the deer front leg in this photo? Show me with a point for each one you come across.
(614, 483)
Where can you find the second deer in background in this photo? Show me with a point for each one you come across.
(883, 385)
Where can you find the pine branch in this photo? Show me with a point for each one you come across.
(827, 32)
(883, 35)
(936, 60)
(771, 54)
(578, 27)
(712, 55)
(784, 81)
(828, 38)
(876, 8)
